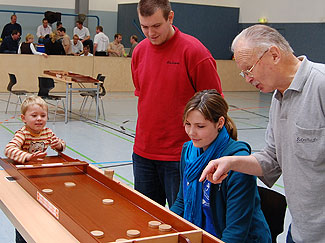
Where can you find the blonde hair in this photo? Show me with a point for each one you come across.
(33, 100)
(212, 106)
(28, 36)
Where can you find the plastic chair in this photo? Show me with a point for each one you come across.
(18, 93)
(93, 95)
(45, 85)
(273, 205)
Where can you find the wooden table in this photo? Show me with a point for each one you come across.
(80, 208)
(70, 78)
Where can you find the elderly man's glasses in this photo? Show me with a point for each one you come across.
(248, 73)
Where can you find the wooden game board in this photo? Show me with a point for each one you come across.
(80, 208)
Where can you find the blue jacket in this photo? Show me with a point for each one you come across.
(235, 203)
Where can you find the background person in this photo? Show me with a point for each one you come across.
(28, 47)
(231, 210)
(295, 135)
(76, 45)
(100, 42)
(43, 31)
(65, 40)
(83, 33)
(10, 27)
(134, 43)
(86, 52)
(168, 67)
(116, 48)
(10, 43)
(54, 47)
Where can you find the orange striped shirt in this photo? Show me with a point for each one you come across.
(25, 142)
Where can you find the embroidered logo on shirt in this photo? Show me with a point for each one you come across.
(306, 140)
(172, 62)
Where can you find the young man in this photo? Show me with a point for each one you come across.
(76, 45)
(83, 33)
(115, 48)
(65, 40)
(168, 67)
(134, 43)
(295, 135)
(43, 31)
(100, 42)
(10, 27)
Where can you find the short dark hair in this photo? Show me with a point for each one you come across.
(147, 8)
(58, 23)
(15, 32)
(14, 15)
(100, 28)
(61, 29)
(45, 19)
(117, 35)
(134, 37)
(79, 22)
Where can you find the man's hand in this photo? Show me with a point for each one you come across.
(216, 171)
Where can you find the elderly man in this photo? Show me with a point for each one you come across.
(295, 136)
(10, 27)
(168, 67)
(134, 43)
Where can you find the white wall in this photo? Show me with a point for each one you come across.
(103, 5)
(41, 3)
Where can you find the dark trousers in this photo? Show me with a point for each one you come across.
(156, 179)
(100, 53)
(289, 236)
(19, 238)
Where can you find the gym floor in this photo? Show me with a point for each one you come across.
(109, 143)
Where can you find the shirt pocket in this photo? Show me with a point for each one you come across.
(310, 144)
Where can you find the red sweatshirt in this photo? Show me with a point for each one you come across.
(165, 78)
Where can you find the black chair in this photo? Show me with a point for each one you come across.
(18, 93)
(93, 95)
(45, 85)
(273, 205)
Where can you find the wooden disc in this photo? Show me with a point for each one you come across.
(47, 191)
(121, 240)
(154, 224)
(97, 233)
(133, 233)
(108, 201)
(165, 227)
(69, 184)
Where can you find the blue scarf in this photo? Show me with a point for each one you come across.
(195, 162)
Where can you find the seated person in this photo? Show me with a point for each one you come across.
(54, 47)
(84, 35)
(86, 52)
(28, 47)
(43, 31)
(10, 43)
(231, 210)
(116, 48)
(32, 140)
(76, 45)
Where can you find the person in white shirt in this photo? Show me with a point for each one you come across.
(27, 47)
(86, 52)
(76, 45)
(100, 42)
(83, 33)
(43, 31)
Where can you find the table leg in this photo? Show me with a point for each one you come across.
(97, 102)
(67, 103)
(70, 98)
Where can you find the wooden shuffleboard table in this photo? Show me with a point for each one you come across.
(79, 80)
(76, 195)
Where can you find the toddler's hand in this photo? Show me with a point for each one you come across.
(56, 144)
(36, 156)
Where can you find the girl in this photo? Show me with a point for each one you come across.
(231, 210)
(27, 47)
